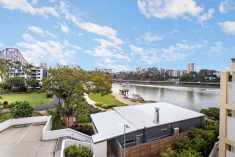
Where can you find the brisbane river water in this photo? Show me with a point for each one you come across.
(193, 98)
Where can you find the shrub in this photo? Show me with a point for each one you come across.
(84, 128)
(21, 109)
(102, 105)
(74, 151)
(58, 125)
(49, 94)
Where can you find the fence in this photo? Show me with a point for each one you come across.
(149, 149)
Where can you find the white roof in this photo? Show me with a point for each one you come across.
(111, 123)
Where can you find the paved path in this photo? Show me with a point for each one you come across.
(47, 106)
(92, 103)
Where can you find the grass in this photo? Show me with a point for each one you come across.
(34, 99)
(5, 116)
(106, 101)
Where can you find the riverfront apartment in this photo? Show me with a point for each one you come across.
(133, 128)
(227, 114)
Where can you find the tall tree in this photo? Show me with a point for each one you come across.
(70, 84)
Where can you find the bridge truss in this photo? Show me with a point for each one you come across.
(13, 55)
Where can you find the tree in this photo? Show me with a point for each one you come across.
(21, 109)
(33, 83)
(211, 112)
(3, 69)
(187, 77)
(70, 84)
(189, 153)
(16, 84)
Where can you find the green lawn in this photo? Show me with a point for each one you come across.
(34, 99)
(5, 116)
(106, 101)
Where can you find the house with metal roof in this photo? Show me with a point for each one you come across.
(129, 126)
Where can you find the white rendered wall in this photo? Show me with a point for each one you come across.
(231, 128)
(100, 149)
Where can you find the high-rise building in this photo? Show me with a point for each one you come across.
(190, 67)
(227, 113)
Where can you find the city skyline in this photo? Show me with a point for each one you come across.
(121, 35)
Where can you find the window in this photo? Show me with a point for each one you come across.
(229, 113)
(228, 147)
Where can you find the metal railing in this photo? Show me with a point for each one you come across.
(214, 150)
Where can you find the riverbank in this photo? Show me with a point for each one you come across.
(172, 83)
(123, 100)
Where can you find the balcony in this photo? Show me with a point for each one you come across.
(231, 89)
(231, 128)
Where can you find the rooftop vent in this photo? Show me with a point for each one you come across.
(156, 115)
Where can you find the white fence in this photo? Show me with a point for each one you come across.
(49, 134)
(69, 142)
(21, 121)
(79, 138)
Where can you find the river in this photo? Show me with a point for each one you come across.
(193, 98)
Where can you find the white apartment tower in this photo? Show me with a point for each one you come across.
(227, 113)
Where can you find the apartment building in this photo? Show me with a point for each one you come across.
(17, 70)
(227, 113)
(38, 73)
(190, 67)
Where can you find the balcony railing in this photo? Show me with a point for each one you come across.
(231, 128)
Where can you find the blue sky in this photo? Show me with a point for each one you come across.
(122, 34)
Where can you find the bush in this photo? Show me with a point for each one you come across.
(58, 125)
(211, 112)
(74, 151)
(49, 94)
(102, 105)
(21, 109)
(83, 128)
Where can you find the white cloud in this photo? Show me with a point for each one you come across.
(206, 16)
(226, 6)
(89, 26)
(37, 51)
(216, 47)
(27, 37)
(36, 30)
(40, 31)
(151, 37)
(64, 28)
(172, 53)
(165, 9)
(169, 8)
(228, 27)
(26, 7)
(109, 48)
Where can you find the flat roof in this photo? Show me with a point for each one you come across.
(25, 141)
(110, 124)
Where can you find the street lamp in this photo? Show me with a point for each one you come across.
(124, 139)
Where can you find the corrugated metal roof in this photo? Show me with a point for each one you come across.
(111, 123)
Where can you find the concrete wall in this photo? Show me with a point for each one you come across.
(20, 121)
(100, 149)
